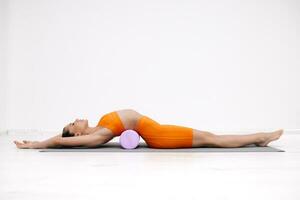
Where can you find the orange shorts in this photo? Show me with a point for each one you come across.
(155, 135)
(164, 136)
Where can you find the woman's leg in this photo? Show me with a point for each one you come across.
(204, 138)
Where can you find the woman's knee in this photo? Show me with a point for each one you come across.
(203, 138)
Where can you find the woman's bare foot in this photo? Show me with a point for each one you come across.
(269, 137)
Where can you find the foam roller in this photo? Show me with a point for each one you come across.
(129, 139)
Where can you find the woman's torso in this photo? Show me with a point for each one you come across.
(128, 117)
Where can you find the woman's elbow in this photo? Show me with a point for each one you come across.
(57, 142)
(96, 142)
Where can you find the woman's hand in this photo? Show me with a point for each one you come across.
(28, 144)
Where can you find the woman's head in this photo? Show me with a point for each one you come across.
(76, 128)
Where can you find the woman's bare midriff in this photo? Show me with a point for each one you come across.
(129, 118)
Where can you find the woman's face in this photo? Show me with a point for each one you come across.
(78, 126)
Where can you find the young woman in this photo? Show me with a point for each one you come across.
(80, 134)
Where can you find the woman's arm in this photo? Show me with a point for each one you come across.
(51, 142)
(92, 140)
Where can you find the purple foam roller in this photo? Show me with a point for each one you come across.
(129, 139)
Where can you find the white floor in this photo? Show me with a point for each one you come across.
(29, 174)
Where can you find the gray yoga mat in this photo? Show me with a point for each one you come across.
(115, 147)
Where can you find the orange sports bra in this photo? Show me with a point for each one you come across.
(113, 122)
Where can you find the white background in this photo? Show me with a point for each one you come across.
(219, 65)
(212, 65)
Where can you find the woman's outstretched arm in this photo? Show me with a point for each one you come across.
(92, 140)
(51, 142)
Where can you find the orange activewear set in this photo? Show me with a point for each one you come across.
(155, 135)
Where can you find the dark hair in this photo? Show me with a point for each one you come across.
(66, 133)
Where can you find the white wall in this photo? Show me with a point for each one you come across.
(212, 65)
(3, 66)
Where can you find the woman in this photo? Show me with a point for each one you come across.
(80, 134)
